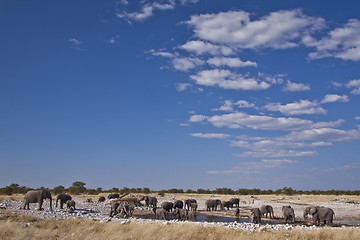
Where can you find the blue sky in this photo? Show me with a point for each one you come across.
(180, 94)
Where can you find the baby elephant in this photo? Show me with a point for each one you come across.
(255, 215)
(71, 205)
(181, 214)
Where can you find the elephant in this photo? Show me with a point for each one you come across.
(37, 197)
(235, 201)
(161, 213)
(267, 209)
(321, 214)
(193, 206)
(188, 203)
(125, 210)
(113, 195)
(289, 215)
(211, 204)
(63, 197)
(178, 204)
(114, 209)
(255, 215)
(168, 206)
(149, 201)
(71, 204)
(181, 214)
(227, 204)
(101, 199)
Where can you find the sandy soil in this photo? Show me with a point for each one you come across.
(346, 208)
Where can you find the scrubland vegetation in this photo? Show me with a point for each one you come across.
(28, 227)
(78, 187)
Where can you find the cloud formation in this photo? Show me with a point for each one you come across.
(278, 30)
(255, 167)
(146, 11)
(343, 43)
(228, 80)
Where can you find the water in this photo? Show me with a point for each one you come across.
(208, 218)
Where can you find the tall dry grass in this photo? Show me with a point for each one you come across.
(28, 227)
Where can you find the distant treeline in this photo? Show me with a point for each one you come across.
(79, 188)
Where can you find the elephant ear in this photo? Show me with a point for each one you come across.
(313, 210)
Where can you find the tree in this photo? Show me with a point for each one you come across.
(77, 187)
(58, 189)
(146, 190)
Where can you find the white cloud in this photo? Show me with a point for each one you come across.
(281, 29)
(200, 47)
(276, 153)
(296, 87)
(243, 120)
(227, 106)
(297, 108)
(325, 134)
(230, 62)
(255, 167)
(185, 64)
(335, 98)
(210, 135)
(182, 86)
(228, 80)
(355, 84)
(75, 43)
(146, 11)
(163, 53)
(184, 2)
(197, 118)
(349, 166)
(341, 43)
(244, 104)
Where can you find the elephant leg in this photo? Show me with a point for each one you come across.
(40, 204)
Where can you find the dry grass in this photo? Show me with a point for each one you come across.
(28, 227)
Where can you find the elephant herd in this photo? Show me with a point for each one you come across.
(40, 195)
(319, 215)
(183, 210)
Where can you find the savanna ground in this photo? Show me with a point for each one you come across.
(15, 226)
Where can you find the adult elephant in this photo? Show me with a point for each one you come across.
(227, 204)
(63, 197)
(212, 204)
(101, 199)
(37, 197)
(188, 203)
(178, 204)
(113, 195)
(149, 201)
(288, 213)
(321, 214)
(167, 206)
(267, 209)
(235, 201)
